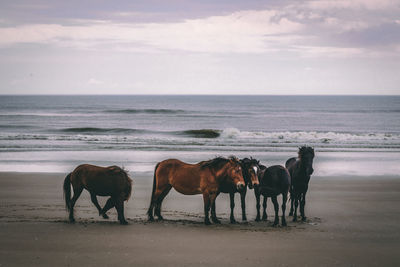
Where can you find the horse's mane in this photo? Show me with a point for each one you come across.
(304, 150)
(217, 162)
(249, 161)
(117, 169)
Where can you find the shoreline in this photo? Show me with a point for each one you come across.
(351, 222)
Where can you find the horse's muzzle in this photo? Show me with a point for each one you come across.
(240, 186)
(310, 171)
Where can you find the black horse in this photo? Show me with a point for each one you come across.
(274, 180)
(249, 170)
(300, 170)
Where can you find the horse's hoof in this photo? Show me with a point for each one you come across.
(123, 222)
(284, 223)
(216, 221)
(233, 222)
(207, 222)
(257, 219)
(290, 213)
(72, 220)
(294, 219)
(303, 219)
(105, 216)
(151, 219)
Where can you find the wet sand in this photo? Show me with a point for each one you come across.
(351, 222)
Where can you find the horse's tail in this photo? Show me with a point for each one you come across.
(286, 179)
(128, 189)
(149, 212)
(67, 191)
(154, 181)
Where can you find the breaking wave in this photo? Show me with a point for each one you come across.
(148, 111)
(203, 133)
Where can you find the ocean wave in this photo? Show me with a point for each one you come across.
(203, 133)
(95, 130)
(321, 137)
(201, 139)
(148, 111)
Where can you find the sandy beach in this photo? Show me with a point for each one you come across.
(351, 222)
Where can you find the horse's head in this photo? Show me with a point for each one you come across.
(235, 173)
(228, 171)
(250, 171)
(306, 156)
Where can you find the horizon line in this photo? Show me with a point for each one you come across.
(39, 94)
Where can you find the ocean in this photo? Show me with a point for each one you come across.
(352, 135)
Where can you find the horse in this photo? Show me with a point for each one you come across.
(300, 170)
(274, 180)
(204, 178)
(249, 169)
(110, 181)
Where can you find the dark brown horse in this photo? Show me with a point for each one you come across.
(99, 181)
(300, 170)
(274, 180)
(249, 169)
(204, 178)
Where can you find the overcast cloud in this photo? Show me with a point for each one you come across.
(200, 47)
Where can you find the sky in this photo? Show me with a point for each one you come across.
(200, 47)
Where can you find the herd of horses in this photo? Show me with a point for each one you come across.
(209, 178)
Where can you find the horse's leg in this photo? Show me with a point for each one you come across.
(284, 199)
(302, 205)
(276, 208)
(155, 199)
(119, 205)
(109, 204)
(77, 192)
(232, 200)
(296, 204)
(213, 213)
(95, 202)
(212, 197)
(243, 203)
(206, 199)
(265, 216)
(291, 203)
(257, 194)
(160, 199)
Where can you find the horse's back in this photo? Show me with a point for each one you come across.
(275, 180)
(277, 173)
(290, 162)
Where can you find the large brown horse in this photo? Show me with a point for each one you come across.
(99, 181)
(205, 178)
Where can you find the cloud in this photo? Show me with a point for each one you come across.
(353, 4)
(93, 81)
(243, 31)
(315, 28)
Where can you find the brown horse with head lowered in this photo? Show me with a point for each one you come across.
(205, 178)
(99, 181)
